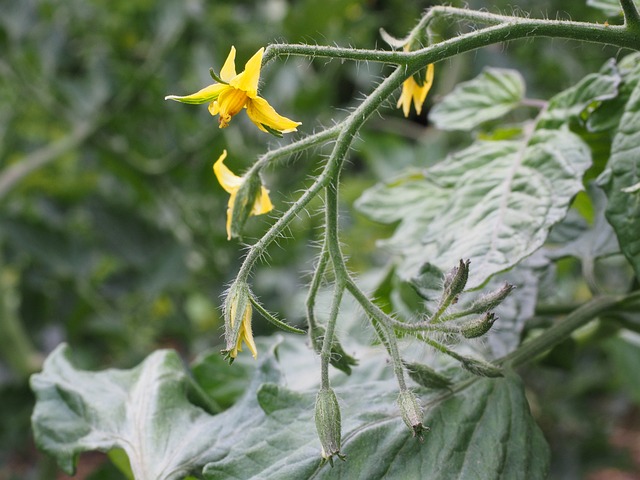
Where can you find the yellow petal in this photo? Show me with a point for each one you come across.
(405, 97)
(248, 80)
(246, 333)
(263, 203)
(207, 94)
(420, 93)
(229, 68)
(227, 179)
(232, 199)
(261, 113)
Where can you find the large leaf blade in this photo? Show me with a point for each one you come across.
(623, 208)
(143, 411)
(493, 203)
(483, 431)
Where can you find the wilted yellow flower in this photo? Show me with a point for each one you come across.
(411, 90)
(232, 184)
(245, 334)
(234, 92)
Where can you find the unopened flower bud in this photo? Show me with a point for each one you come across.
(480, 367)
(491, 300)
(411, 413)
(237, 321)
(426, 376)
(479, 326)
(456, 280)
(328, 424)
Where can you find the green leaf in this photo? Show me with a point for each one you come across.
(143, 411)
(610, 7)
(623, 209)
(492, 203)
(483, 431)
(578, 101)
(490, 95)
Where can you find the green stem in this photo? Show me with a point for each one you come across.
(316, 281)
(502, 29)
(631, 15)
(294, 147)
(554, 335)
(327, 342)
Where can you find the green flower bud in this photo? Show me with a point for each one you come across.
(427, 377)
(328, 424)
(480, 367)
(456, 279)
(411, 413)
(479, 326)
(491, 300)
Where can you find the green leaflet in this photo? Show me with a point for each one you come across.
(493, 203)
(623, 171)
(484, 431)
(490, 95)
(577, 102)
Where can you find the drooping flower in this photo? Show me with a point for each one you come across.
(412, 91)
(238, 308)
(256, 198)
(233, 92)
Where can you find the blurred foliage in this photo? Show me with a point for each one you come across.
(112, 225)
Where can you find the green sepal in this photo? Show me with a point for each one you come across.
(271, 319)
(216, 77)
(272, 131)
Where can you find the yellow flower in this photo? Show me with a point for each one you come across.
(412, 91)
(234, 92)
(245, 334)
(232, 184)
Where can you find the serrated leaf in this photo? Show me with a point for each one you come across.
(623, 209)
(579, 100)
(490, 95)
(492, 203)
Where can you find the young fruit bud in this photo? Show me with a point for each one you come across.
(328, 424)
(479, 326)
(411, 413)
(491, 300)
(480, 367)
(427, 377)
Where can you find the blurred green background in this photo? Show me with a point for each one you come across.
(112, 224)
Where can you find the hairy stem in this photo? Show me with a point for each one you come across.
(631, 15)
(327, 342)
